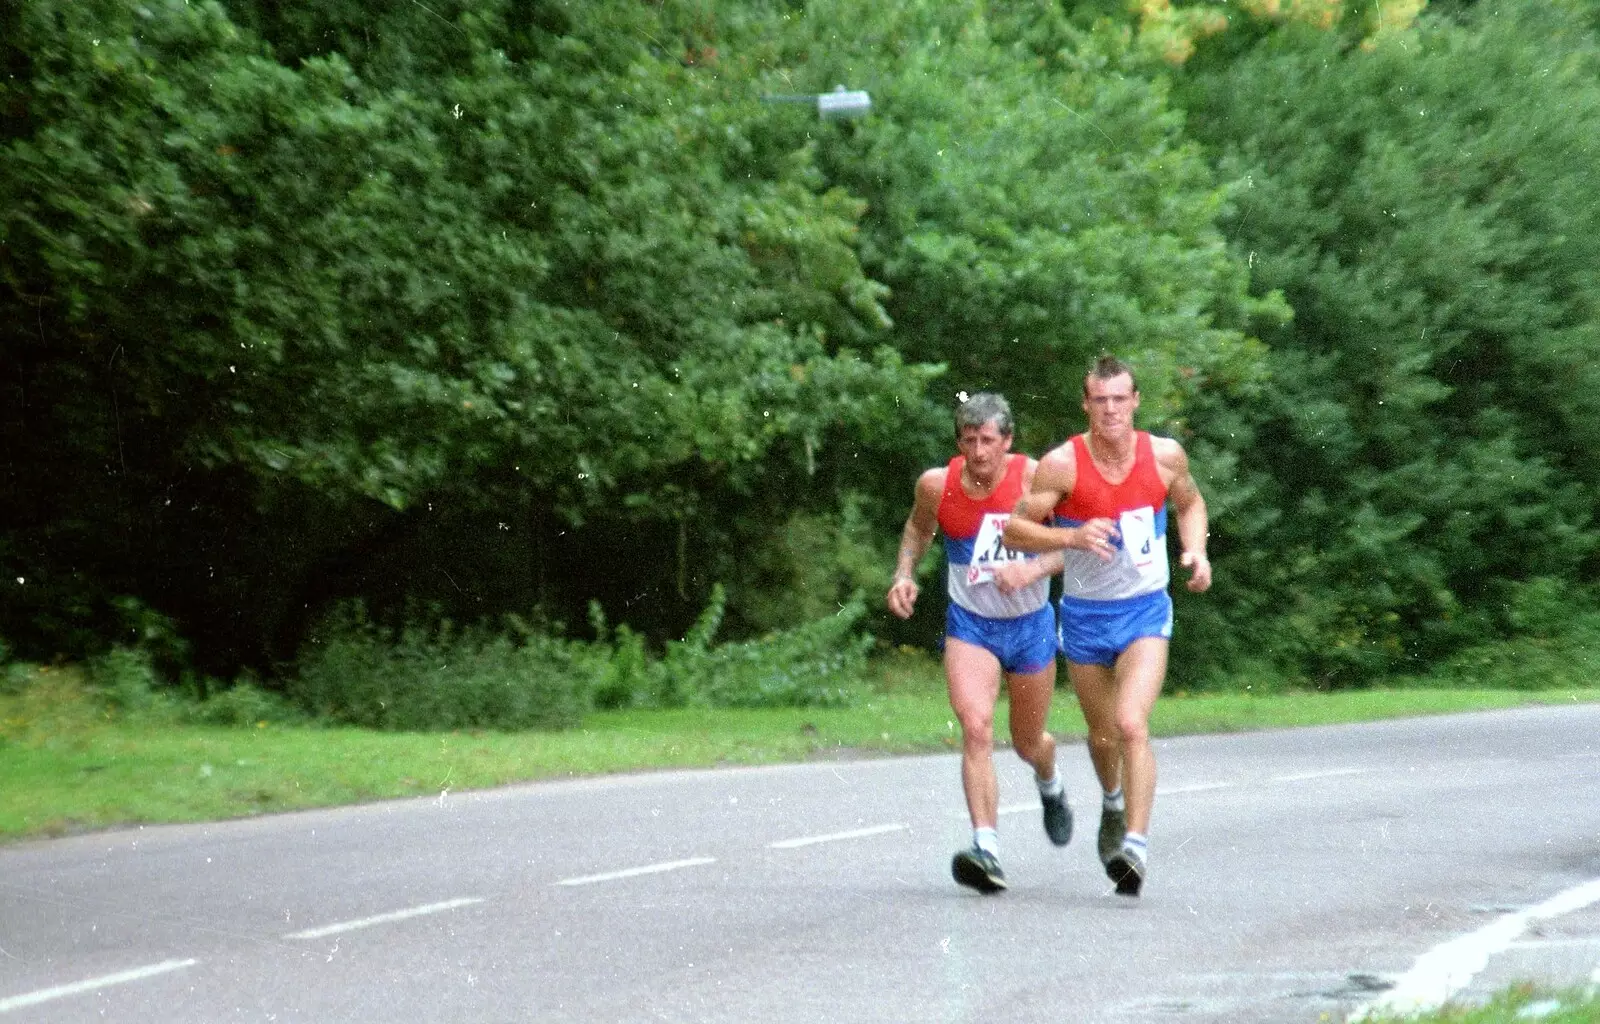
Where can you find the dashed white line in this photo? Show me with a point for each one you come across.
(1198, 787)
(648, 869)
(368, 922)
(1446, 969)
(834, 837)
(1013, 808)
(1206, 787)
(44, 995)
(1332, 773)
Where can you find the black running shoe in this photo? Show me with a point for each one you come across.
(1057, 818)
(1126, 869)
(977, 869)
(1113, 827)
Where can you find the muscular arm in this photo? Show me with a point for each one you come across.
(1190, 506)
(1052, 481)
(1014, 576)
(918, 533)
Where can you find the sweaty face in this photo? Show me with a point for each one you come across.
(1110, 404)
(985, 448)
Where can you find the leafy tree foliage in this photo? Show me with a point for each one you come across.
(1426, 447)
(279, 286)
(1031, 202)
(508, 305)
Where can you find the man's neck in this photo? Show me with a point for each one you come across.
(976, 483)
(1110, 450)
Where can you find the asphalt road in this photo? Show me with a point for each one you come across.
(1296, 875)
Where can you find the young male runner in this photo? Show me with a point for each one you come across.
(999, 620)
(1108, 490)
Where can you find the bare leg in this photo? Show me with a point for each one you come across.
(1030, 711)
(1116, 705)
(973, 675)
(1096, 687)
(1140, 672)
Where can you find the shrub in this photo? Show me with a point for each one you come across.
(242, 704)
(440, 677)
(809, 666)
(125, 679)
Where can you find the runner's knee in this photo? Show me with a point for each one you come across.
(977, 727)
(1132, 728)
(1034, 748)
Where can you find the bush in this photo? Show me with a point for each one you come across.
(811, 665)
(420, 678)
(440, 677)
(242, 704)
(125, 680)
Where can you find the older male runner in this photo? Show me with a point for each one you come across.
(999, 620)
(1108, 490)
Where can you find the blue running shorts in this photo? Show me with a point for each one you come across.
(1097, 632)
(1023, 644)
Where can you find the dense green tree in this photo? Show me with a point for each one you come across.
(278, 289)
(1031, 200)
(522, 304)
(1427, 446)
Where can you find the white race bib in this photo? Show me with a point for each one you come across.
(987, 549)
(1138, 528)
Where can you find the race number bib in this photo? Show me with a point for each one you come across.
(1138, 528)
(987, 549)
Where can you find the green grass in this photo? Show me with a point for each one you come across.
(67, 764)
(1518, 1004)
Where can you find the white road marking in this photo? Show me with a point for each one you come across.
(860, 833)
(1198, 787)
(120, 978)
(368, 922)
(1332, 773)
(1206, 787)
(1447, 968)
(1576, 940)
(648, 869)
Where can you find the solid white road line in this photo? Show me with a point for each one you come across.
(120, 978)
(1447, 968)
(368, 922)
(834, 837)
(648, 869)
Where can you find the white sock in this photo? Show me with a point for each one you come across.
(1113, 801)
(1137, 846)
(987, 839)
(1051, 786)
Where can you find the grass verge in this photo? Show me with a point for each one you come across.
(69, 765)
(1518, 1004)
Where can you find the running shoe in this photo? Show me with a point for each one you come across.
(977, 869)
(1126, 869)
(1113, 826)
(1057, 818)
